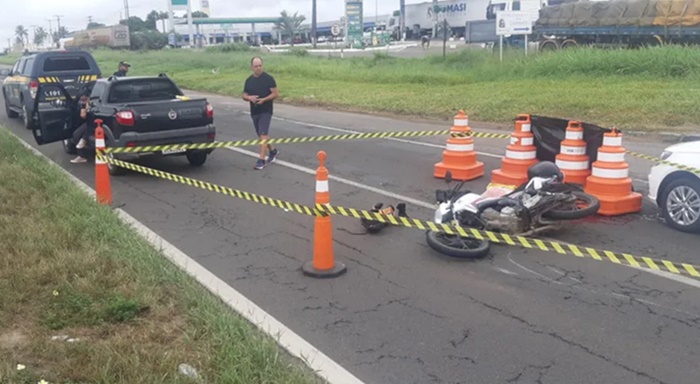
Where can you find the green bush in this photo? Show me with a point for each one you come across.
(230, 47)
(148, 40)
(297, 51)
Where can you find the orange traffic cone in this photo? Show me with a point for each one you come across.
(610, 181)
(323, 264)
(459, 156)
(521, 154)
(572, 158)
(103, 187)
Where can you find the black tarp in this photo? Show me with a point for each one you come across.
(551, 131)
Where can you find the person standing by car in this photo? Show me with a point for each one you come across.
(260, 90)
(123, 69)
(82, 134)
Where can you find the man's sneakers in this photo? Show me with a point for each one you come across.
(273, 156)
(260, 164)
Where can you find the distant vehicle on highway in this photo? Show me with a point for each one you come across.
(675, 191)
(136, 111)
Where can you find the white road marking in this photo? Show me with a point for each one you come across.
(507, 272)
(671, 276)
(340, 179)
(323, 365)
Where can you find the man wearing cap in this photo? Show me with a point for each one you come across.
(123, 69)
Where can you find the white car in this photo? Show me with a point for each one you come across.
(676, 191)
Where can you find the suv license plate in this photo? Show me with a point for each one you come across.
(173, 151)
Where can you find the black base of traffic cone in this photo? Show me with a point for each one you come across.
(337, 270)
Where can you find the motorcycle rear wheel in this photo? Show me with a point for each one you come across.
(456, 246)
(585, 205)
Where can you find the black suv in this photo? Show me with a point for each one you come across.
(70, 68)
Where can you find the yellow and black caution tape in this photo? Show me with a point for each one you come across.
(494, 237)
(659, 160)
(307, 139)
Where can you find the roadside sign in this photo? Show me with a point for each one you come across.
(513, 23)
(335, 29)
(353, 15)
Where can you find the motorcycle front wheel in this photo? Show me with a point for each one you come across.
(585, 205)
(456, 246)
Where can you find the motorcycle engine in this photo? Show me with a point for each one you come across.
(504, 221)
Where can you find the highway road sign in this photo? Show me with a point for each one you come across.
(335, 29)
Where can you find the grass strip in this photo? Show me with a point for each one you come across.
(84, 299)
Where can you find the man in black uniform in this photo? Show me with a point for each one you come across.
(260, 90)
(123, 69)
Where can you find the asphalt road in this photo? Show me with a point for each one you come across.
(402, 313)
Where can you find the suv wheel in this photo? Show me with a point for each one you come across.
(10, 113)
(28, 122)
(680, 205)
(196, 159)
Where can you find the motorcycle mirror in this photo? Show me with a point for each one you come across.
(448, 177)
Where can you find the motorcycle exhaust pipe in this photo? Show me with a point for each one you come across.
(539, 230)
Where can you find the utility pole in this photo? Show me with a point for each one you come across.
(58, 19)
(402, 20)
(34, 27)
(50, 33)
(126, 9)
(435, 18)
(313, 23)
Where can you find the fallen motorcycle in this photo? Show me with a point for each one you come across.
(538, 205)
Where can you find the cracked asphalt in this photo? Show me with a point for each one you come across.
(402, 313)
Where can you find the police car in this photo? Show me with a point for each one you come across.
(71, 68)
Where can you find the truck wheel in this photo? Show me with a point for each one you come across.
(549, 46)
(569, 43)
(28, 121)
(196, 159)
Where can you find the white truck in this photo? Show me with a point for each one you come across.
(421, 18)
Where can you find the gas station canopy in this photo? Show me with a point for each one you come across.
(234, 20)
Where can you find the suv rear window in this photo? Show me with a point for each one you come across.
(66, 63)
(130, 91)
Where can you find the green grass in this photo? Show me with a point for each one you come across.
(645, 89)
(69, 267)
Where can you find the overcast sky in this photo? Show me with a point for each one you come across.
(74, 14)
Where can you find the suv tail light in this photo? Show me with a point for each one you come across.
(210, 111)
(33, 88)
(125, 118)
